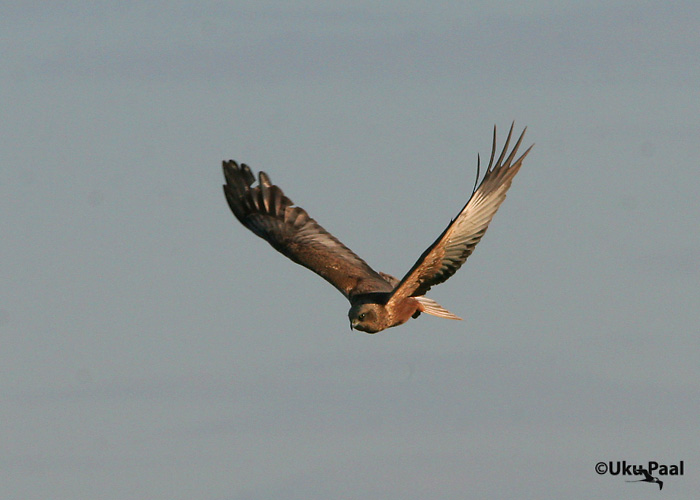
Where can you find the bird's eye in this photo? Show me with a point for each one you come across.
(361, 317)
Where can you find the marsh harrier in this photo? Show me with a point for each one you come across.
(378, 300)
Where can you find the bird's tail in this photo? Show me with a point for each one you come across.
(429, 306)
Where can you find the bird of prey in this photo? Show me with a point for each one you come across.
(377, 300)
(648, 478)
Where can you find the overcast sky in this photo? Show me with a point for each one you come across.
(152, 347)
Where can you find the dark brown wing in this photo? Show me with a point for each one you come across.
(266, 211)
(447, 254)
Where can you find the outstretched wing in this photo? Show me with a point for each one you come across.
(447, 254)
(265, 210)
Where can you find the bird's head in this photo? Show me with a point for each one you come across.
(367, 317)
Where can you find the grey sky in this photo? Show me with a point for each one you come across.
(154, 348)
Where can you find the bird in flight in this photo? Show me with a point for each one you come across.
(377, 300)
(648, 478)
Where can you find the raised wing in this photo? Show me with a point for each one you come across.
(447, 254)
(265, 210)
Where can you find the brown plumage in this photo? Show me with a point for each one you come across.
(377, 300)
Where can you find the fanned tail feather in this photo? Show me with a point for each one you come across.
(429, 306)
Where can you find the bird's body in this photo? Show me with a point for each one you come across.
(648, 478)
(377, 300)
